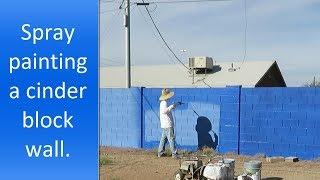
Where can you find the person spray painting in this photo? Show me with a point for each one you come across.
(167, 123)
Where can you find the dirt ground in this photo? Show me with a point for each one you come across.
(133, 164)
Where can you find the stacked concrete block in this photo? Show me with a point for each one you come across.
(120, 117)
(273, 121)
(287, 117)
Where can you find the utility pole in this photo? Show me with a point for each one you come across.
(128, 53)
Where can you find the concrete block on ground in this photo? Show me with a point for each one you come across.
(291, 159)
(275, 159)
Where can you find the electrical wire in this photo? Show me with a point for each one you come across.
(156, 37)
(111, 60)
(181, 1)
(245, 33)
(165, 42)
(120, 7)
(107, 1)
(111, 10)
(162, 38)
(206, 83)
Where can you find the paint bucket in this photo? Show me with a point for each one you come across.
(253, 168)
(230, 163)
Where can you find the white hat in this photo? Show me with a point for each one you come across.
(165, 94)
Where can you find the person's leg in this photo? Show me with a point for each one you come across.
(162, 143)
(171, 138)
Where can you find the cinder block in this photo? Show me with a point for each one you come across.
(281, 148)
(290, 107)
(316, 141)
(266, 130)
(249, 145)
(290, 123)
(229, 121)
(289, 139)
(188, 141)
(316, 107)
(299, 100)
(312, 132)
(307, 123)
(228, 137)
(230, 106)
(313, 148)
(282, 131)
(283, 99)
(304, 155)
(267, 98)
(249, 129)
(245, 137)
(307, 140)
(298, 115)
(265, 147)
(291, 159)
(246, 106)
(313, 115)
(313, 99)
(246, 122)
(274, 107)
(228, 114)
(260, 122)
(271, 138)
(228, 129)
(202, 98)
(229, 99)
(224, 149)
(297, 147)
(228, 144)
(281, 115)
(306, 107)
(213, 98)
(277, 91)
(260, 107)
(259, 137)
(245, 113)
(275, 159)
(266, 114)
(247, 151)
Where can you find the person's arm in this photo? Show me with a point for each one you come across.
(164, 109)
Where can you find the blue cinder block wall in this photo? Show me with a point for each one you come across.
(208, 118)
(280, 121)
(120, 122)
(272, 121)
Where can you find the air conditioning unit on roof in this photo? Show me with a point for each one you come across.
(201, 63)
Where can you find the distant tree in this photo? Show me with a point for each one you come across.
(314, 83)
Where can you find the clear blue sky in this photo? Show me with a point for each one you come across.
(284, 30)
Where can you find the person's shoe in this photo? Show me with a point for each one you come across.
(160, 155)
(176, 156)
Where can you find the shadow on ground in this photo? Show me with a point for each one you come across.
(272, 178)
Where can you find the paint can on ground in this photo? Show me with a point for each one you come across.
(253, 168)
(230, 163)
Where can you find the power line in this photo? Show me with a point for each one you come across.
(175, 2)
(245, 32)
(120, 7)
(156, 37)
(166, 44)
(111, 60)
(111, 10)
(206, 83)
(107, 1)
(162, 38)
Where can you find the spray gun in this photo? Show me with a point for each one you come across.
(179, 103)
